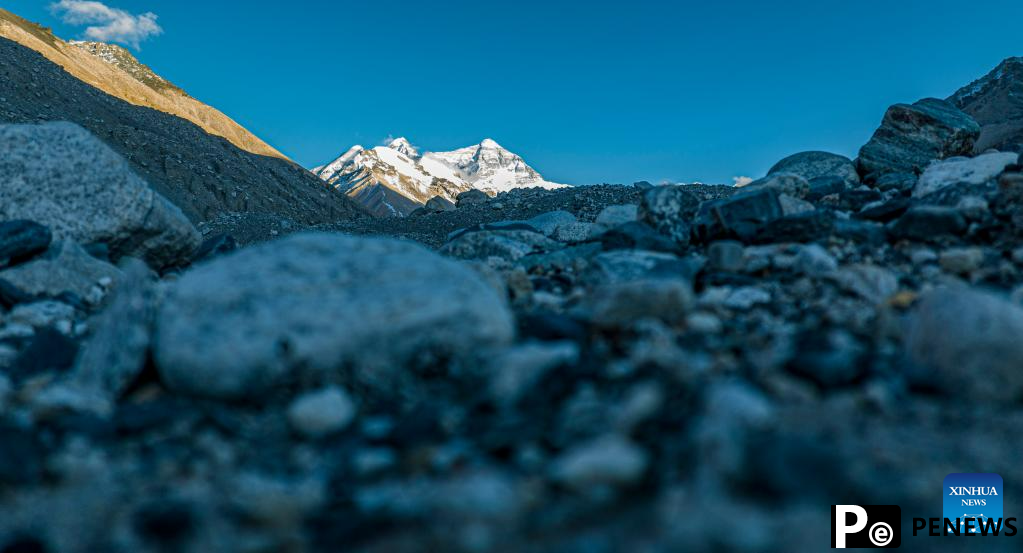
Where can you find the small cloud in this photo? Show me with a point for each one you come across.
(106, 24)
(741, 181)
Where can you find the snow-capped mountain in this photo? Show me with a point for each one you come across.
(396, 179)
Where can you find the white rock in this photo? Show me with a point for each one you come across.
(973, 171)
(321, 413)
(615, 215)
(609, 460)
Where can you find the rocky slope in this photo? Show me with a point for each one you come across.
(674, 368)
(996, 102)
(115, 71)
(396, 179)
(205, 175)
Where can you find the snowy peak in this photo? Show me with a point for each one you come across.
(404, 146)
(397, 178)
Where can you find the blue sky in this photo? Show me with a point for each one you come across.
(586, 91)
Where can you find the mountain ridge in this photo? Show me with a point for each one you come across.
(117, 72)
(396, 179)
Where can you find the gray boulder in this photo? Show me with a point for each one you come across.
(471, 197)
(62, 176)
(788, 184)
(317, 302)
(65, 267)
(20, 240)
(996, 102)
(912, 136)
(816, 165)
(669, 210)
(968, 342)
(505, 244)
(438, 204)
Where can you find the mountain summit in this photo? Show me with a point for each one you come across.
(396, 179)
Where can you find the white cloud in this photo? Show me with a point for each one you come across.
(742, 181)
(106, 24)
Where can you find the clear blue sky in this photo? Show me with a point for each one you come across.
(585, 91)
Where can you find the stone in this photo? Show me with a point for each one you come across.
(606, 461)
(517, 370)
(627, 265)
(829, 358)
(885, 212)
(900, 182)
(821, 187)
(739, 216)
(48, 313)
(668, 210)
(912, 136)
(505, 244)
(814, 165)
(21, 240)
(439, 204)
(60, 175)
(927, 223)
(961, 261)
(782, 183)
(65, 267)
(814, 261)
(791, 205)
(638, 236)
(614, 215)
(967, 344)
(471, 197)
(321, 413)
(727, 256)
(870, 282)
(316, 302)
(746, 297)
(48, 350)
(215, 245)
(621, 304)
(548, 223)
(573, 233)
(801, 227)
(115, 353)
(981, 170)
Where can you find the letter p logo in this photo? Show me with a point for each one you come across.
(850, 523)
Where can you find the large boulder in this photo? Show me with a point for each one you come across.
(317, 302)
(996, 102)
(912, 136)
(64, 268)
(670, 210)
(60, 175)
(817, 165)
(967, 343)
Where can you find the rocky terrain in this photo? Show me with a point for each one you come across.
(608, 368)
(395, 180)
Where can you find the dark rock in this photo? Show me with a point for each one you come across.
(496, 226)
(861, 232)
(471, 197)
(638, 236)
(669, 209)
(11, 295)
(21, 456)
(912, 136)
(643, 185)
(829, 358)
(165, 522)
(902, 182)
(48, 350)
(825, 186)
(740, 216)
(888, 211)
(803, 227)
(854, 200)
(439, 204)
(549, 327)
(20, 240)
(812, 165)
(927, 223)
(726, 256)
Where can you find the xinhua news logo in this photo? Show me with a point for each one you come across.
(866, 526)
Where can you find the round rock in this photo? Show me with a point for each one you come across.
(669, 209)
(813, 165)
(244, 322)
